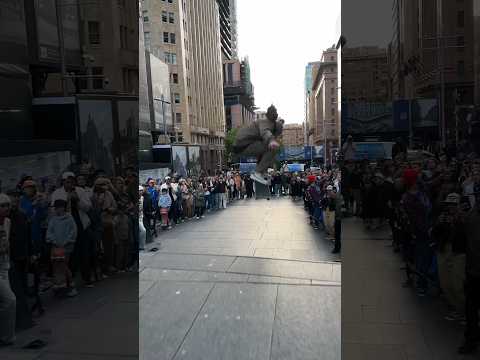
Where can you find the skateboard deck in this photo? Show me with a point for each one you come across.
(261, 191)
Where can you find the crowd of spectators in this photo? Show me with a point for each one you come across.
(172, 200)
(431, 204)
(61, 237)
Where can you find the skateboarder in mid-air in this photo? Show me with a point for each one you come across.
(259, 139)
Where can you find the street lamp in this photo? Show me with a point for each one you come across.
(162, 100)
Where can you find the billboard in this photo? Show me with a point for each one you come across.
(425, 113)
(194, 164)
(367, 118)
(128, 132)
(373, 150)
(179, 159)
(377, 118)
(97, 133)
(313, 152)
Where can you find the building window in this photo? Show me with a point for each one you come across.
(174, 59)
(333, 111)
(145, 15)
(461, 19)
(172, 38)
(171, 18)
(166, 36)
(170, 1)
(333, 100)
(147, 39)
(94, 32)
(177, 98)
(97, 73)
(175, 78)
(178, 117)
(164, 16)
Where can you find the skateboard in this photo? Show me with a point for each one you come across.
(262, 191)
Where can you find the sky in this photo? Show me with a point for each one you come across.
(280, 37)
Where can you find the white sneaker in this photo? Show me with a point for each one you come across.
(256, 176)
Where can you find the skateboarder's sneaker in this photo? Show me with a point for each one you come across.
(256, 176)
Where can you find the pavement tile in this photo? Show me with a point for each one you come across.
(283, 268)
(299, 311)
(166, 314)
(144, 286)
(277, 280)
(235, 323)
(190, 262)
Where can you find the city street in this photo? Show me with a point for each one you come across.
(380, 318)
(254, 281)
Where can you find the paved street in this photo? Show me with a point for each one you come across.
(380, 318)
(254, 281)
(99, 324)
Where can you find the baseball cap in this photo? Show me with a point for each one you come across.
(4, 199)
(67, 174)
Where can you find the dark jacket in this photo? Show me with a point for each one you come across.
(20, 237)
(147, 205)
(259, 130)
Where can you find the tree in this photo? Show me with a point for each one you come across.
(229, 141)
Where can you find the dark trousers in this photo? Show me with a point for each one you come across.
(472, 306)
(18, 283)
(83, 256)
(338, 234)
(133, 249)
(199, 211)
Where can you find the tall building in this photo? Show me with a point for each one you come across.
(238, 92)
(311, 72)
(293, 135)
(228, 28)
(187, 35)
(109, 30)
(324, 103)
(368, 77)
(432, 55)
(234, 28)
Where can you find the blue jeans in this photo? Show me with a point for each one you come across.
(8, 307)
(208, 201)
(318, 215)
